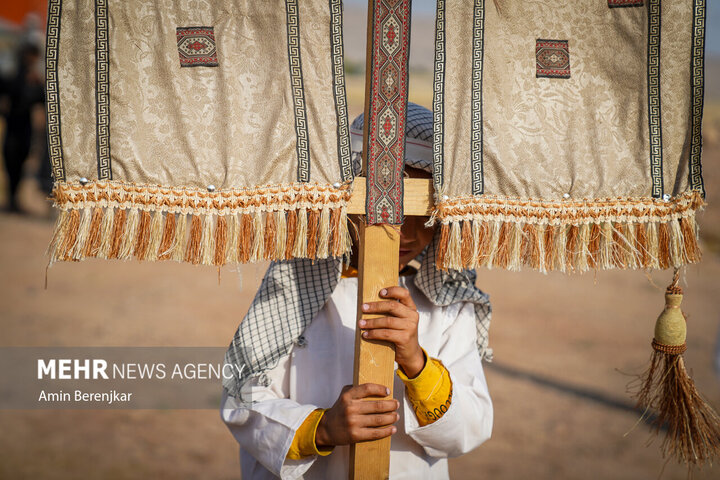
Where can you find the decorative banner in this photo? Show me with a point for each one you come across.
(387, 111)
(218, 163)
(557, 146)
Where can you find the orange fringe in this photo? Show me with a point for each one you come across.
(313, 227)
(166, 243)
(94, 238)
(220, 241)
(192, 254)
(143, 235)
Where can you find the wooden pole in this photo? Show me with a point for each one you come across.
(374, 360)
(378, 255)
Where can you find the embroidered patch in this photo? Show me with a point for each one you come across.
(625, 3)
(196, 46)
(552, 59)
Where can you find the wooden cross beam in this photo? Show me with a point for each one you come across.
(386, 81)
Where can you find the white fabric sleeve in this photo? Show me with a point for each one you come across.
(266, 429)
(468, 421)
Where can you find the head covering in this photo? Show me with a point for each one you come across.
(294, 291)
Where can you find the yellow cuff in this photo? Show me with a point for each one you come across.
(303, 444)
(430, 392)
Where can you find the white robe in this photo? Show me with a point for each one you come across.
(312, 377)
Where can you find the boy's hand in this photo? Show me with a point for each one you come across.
(398, 327)
(353, 419)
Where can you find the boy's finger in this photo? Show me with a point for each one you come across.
(379, 406)
(376, 433)
(379, 420)
(384, 322)
(395, 309)
(400, 294)
(386, 334)
(369, 390)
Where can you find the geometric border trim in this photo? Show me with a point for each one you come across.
(341, 109)
(55, 150)
(654, 98)
(298, 91)
(439, 97)
(102, 90)
(476, 116)
(697, 77)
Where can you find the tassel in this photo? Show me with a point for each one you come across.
(178, 249)
(442, 246)
(572, 247)
(466, 243)
(245, 238)
(156, 236)
(82, 236)
(129, 236)
(475, 244)
(106, 233)
(207, 241)
(664, 245)
(143, 235)
(192, 254)
(220, 241)
(453, 256)
(652, 245)
(676, 244)
(594, 246)
(168, 236)
(280, 235)
(631, 253)
(583, 252)
(541, 247)
(641, 242)
(258, 237)
(549, 250)
(693, 428)
(292, 224)
(336, 235)
(618, 245)
(61, 227)
(312, 229)
(117, 233)
(93, 242)
(606, 245)
(502, 253)
(689, 229)
(493, 244)
(515, 244)
(301, 237)
(560, 247)
(323, 233)
(233, 238)
(270, 232)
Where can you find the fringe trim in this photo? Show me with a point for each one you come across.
(125, 221)
(568, 236)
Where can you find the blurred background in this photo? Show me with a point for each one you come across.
(565, 346)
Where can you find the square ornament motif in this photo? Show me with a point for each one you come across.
(196, 46)
(552, 58)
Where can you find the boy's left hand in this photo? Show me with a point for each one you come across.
(399, 326)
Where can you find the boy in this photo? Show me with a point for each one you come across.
(303, 417)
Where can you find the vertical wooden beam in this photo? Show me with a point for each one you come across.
(374, 360)
(386, 81)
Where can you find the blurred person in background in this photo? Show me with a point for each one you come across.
(19, 95)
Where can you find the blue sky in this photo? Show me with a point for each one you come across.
(713, 19)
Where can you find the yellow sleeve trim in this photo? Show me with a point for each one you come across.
(303, 444)
(430, 392)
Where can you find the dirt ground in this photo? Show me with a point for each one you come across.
(565, 347)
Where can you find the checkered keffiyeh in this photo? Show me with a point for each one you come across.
(294, 291)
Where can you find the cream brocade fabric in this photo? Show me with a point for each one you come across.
(595, 164)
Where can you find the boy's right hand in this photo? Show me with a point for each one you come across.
(353, 419)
